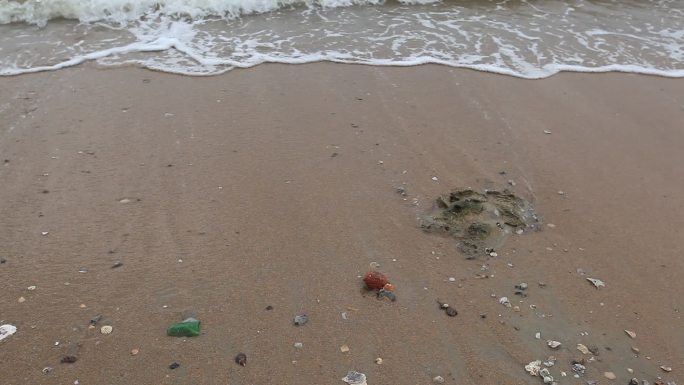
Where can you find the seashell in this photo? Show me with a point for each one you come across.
(106, 329)
(375, 280)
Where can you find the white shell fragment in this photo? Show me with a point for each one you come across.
(355, 378)
(504, 301)
(553, 344)
(596, 282)
(7, 330)
(583, 349)
(106, 329)
(630, 333)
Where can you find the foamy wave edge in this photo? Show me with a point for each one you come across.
(225, 65)
(39, 12)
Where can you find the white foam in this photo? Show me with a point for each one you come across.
(151, 34)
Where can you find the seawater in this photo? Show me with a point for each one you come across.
(528, 39)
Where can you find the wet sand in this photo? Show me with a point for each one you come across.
(277, 186)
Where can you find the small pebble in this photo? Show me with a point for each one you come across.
(174, 365)
(452, 279)
(241, 359)
(21, 299)
(301, 319)
(451, 312)
(134, 352)
(435, 178)
(609, 375)
(344, 349)
(69, 359)
(666, 368)
(117, 264)
(438, 380)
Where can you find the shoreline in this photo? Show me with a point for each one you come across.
(256, 176)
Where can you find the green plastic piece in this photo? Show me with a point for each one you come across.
(184, 329)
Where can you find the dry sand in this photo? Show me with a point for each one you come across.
(236, 177)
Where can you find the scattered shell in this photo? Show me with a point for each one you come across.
(547, 132)
(537, 335)
(344, 349)
(438, 380)
(378, 361)
(630, 333)
(21, 299)
(666, 368)
(106, 329)
(636, 350)
(374, 265)
(355, 378)
(47, 370)
(82, 306)
(553, 344)
(583, 349)
(504, 301)
(134, 352)
(117, 264)
(241, 359)
(7, 330)
(44, 233)
(609, 375)
(596, 282)
(452, 279)
(298, 345)
(31, 288)
(533, 368)
(301, 319)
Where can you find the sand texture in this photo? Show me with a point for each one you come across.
(278, 186)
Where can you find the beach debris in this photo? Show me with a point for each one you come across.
(438, 380)
(578, 367)
(450, 311)
(96, 319)
(630, 333)
(106, 329)
(504, 301)
(537, 335)
(174, 365)
(345, 316)
(666, 368)
(7, 330)
(435, 178)
(269, 307)
(344, 349)
(609, 375)
(634, 381)
(636, 350)
(189, 327)
(21, 300)
(480, 222)
(44, 233)
(374, 265)
(241, 359)
(355, 378)
(533, 368)
(68, 359)
(378, 361)
(547, 132)
(47, 370)
(117, 264)
(3, 260)
(583, 349)
(31, 288)
(375, 280)
(553, 344)
(596, 282)
(301, 319)
(382, 293)
(134, 352)
(298, 345)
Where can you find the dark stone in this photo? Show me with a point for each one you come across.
(174, 365)
(241, 359)
(69, 359)
(451, 312)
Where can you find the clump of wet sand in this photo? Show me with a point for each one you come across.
(480, 222)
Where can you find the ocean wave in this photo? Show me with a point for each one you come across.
(39, 12)
(203, 37)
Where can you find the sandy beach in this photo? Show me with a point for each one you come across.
(277, 186)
